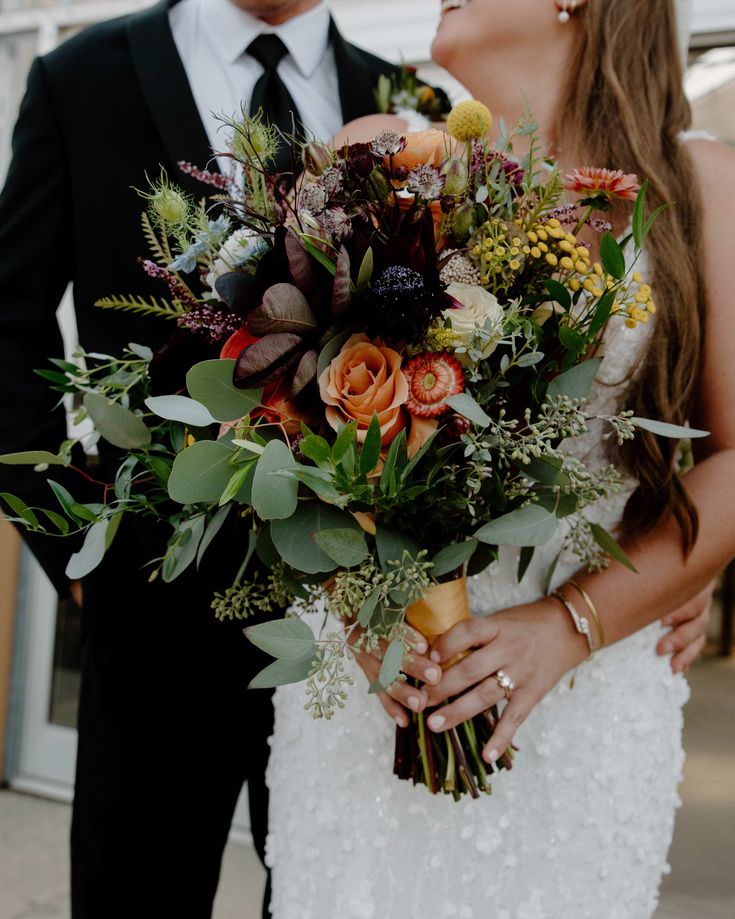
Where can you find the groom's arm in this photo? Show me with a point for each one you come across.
(36, 264)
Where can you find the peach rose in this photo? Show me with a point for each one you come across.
(431, 147)
(365, 377)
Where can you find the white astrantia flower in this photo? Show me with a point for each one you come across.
(242, 250)
(480, 316)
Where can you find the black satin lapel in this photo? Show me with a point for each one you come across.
(356, 84)
(167, 91)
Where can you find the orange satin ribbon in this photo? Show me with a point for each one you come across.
(443, 607)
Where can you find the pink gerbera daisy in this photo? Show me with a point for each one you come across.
(431, 378)
(612, 183)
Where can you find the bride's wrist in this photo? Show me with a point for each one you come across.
(573, 644)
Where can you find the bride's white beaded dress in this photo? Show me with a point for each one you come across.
(579, 829)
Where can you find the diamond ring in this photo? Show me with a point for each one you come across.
(505, 683)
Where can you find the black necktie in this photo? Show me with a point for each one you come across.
(270, 94)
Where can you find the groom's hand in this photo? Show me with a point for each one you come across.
(402, 698)
(688, 630)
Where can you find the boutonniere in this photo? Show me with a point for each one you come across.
(403, 91)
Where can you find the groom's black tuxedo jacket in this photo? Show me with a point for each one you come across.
(168, 730)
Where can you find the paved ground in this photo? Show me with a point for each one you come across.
(33, 832)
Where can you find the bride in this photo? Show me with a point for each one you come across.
(581, 826)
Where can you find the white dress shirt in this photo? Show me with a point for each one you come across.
(211, 37)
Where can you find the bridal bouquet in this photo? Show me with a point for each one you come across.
(402, 343)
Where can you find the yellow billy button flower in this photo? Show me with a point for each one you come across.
(469, 120)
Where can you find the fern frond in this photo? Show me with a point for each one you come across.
(136, 304)
(159, 246)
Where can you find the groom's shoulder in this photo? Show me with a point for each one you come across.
(101, 50)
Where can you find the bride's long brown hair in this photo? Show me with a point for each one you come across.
(624, 108)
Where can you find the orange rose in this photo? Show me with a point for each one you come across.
(365, 377)
(431, 147)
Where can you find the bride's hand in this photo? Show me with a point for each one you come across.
(402, 698)
(534, 644)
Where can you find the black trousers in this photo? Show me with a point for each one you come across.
(168, 733)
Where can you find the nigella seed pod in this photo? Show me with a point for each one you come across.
(463, 220)
(447, 203)
(316, 158)
(455, 176)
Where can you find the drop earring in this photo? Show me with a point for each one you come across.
(565, 13)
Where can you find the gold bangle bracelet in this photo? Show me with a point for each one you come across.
(593, 612)
(581, 623)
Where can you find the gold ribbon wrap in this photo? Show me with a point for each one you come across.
(443, 607)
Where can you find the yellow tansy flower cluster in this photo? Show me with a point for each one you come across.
(551, 243)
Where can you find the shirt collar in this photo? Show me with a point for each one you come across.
(231, 30)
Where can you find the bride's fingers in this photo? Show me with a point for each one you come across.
(394, 711)
(477, 700)
(407, 696)
(422, 668)
(465, 635)
(513, 716)
(466, 673)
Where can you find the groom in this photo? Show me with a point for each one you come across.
(168, 732)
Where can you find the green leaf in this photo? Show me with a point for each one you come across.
(465, 405)
(367, 607)
(115, 521)
(84, 513)
(318, 254)
(180, 408)
(603, 309)
(185, 551)
(560, 293)
(452, 557)
(287, 639)
(663, 429)
(283, 672)
(550, 574)
(61, 524)
(116, 424)
(524, 561)
(654, 217)
(366, 271)
(611, 546)
(141, 351)
(396, 452)
(344, 441)
(275, 497)
(317, 450)
(234, 486)
(571, 339)
(264, 548)
(528, 526)
(370, 452)
(346, 547)
(320, 482)
(21, 509)
(32, 458)
(91, 553)
(201, 472)
(295, 540)
(613, 260)
(331, 350)
(210, 383)
(64, 497)
(639, 214)
(575, 382)
(547, 470)
(391, 546)
(390, 669)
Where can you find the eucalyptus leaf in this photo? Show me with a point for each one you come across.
(181, 408)
(214, 525)
(116, 424)
(91, 553)
(274, 497)
(391, 546)
(20, 508)
(465, 405)
(201, 472)
(294, 538)
(663, 429)
(64, 497)
(575, 382)
(528, 526)
(283, 672)
(346, 547)
(211, 384)
(32, 458)
(367, 607)
(524, 561)
(287, 639)
(611, 546)
(452, 557)
(186, 545)
(390, 669)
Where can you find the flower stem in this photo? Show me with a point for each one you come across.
(422, 748)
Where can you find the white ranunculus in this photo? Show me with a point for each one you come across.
(243, 247)
(480, 310)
